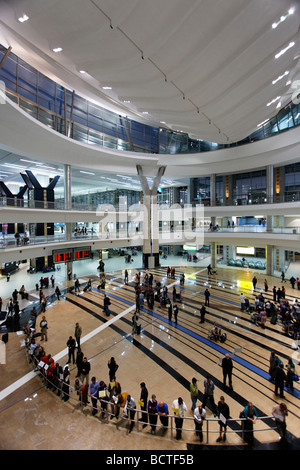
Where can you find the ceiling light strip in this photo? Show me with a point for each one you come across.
(283, 18)
(280, 77)
(283, 51)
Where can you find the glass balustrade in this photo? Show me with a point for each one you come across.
(113, 232)
(70, 114)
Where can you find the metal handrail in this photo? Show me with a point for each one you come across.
(138, 412)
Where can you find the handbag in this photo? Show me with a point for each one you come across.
(295, 378)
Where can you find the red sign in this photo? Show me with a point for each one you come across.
(63, 257)
(83, 254)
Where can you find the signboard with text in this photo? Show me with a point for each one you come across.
(71, 254)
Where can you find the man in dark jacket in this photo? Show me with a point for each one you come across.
(106, 305)
(71, 343)
(85, 371)
(280, 378)
(207, 295)
(227, 367)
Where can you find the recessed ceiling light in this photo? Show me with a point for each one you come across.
(24, 160)
(145, 112)
(82, 71)
(10, 165)
(283, 51)
(57, 49)
(126, 101)
(106, 87)
(23, 18)
(87, 172)
(283, 18)
(274, 100)
(280, 77)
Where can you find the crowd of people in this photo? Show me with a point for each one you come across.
(277, 309)
(108, 398)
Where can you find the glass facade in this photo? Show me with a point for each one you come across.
(250, 188)
(292, 182)
(76, 117)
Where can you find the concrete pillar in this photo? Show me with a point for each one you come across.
(228, 190)
(213, 251)
(213, 190)
(270, 183)
(270, 194)
(68, 207)
(269, 260)
(151, 226)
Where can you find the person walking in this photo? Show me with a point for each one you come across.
(71, 344)
(112, 368)
(175, 311)
(57, 292)
(77, 285)
(44, 329)
(207, 295)
(227, 367)
(254, 282)
(170, 311)
(209, 387)
(202, 314)
(106, 305)
(78, 333)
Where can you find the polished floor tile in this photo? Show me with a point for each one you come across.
(165, 355)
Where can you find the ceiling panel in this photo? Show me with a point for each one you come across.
(202, 66)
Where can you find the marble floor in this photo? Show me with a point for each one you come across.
(165, 355)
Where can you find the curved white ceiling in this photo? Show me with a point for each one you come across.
(25, 136)
(204, 67)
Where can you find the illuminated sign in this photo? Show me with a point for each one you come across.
(71, 254)
(61, 256)
(82, 254)
(245, 250)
